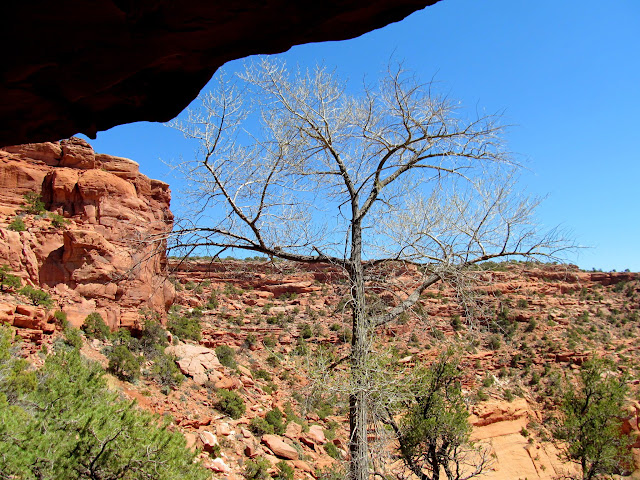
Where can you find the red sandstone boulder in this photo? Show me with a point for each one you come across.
(279, 447)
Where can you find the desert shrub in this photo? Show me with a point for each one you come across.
(62, 418)
(273, 360)
(531, 326)
(72, 338)
(33, 203)
(8, 280)
(263, 374)
(230, 403)
(285, 471)
(522, 303)
(274, 418)
(153, 338)
(58, 221)
(257, 469)
(494, 342)
(189, 285)
(36, 296)
(94, 327)
(305, 330)
(456, 323)
(591, 426)
(259, 426)
(335, 327)
(185, 327)
(166, 372)
(17, 225)
(503, 323)
(330, 472)
(251, 340)
(345, 335)
(226, 355)
(124, 364)
(301, 347)
(332, 450)
(60, 318)
(269, 341)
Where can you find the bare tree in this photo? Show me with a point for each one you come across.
(294, 166)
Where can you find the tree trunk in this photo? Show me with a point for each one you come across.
(358, 406)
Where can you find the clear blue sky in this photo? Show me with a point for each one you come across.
(565, 72)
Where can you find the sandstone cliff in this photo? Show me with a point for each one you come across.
(89, 248)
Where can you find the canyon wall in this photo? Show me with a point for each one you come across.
(90, 247)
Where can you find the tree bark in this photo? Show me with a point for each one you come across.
(358, 407)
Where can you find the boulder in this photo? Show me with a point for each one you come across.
(279, 447)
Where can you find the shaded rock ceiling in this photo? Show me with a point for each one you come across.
(79, 66)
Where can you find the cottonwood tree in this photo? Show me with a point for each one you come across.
(295, 166)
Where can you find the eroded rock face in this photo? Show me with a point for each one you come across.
(100, 260)
(78, 67)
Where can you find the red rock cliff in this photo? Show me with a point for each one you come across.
(100, 260)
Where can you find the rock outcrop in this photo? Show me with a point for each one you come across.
(92, 245)
(75, 66)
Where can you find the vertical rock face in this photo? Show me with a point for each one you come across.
(102, 258)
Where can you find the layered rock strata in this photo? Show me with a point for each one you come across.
(91, 247)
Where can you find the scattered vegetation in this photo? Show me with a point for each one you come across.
(17, 225)
(36, 296)
(88, 431)
(8, 281)
(231, 403)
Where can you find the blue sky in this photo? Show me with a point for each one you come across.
(566, 74)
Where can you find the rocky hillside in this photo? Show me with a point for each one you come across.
(279, 318)
(76, 224)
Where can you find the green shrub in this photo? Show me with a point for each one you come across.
(257, 469)
(58, 221)
(305, 330)
(285, 471)
(531, 326)
(259, 426)
(185, 327)
(166, 372)
(263, 374)
(17, 225)
(274, 418)
(8, 280)
(330, 472)
(230, 403)
(72, 338)
(153, 338)
(61, 419)
(226, 355)
(494, 342)
(95, 327)
(332, 450)
(269, 341)
(33, 203)
(273, 360)
(36, 296)
(123, 363)
(522, 303)
(60, 318)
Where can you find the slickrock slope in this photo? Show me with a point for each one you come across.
(88, 248)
